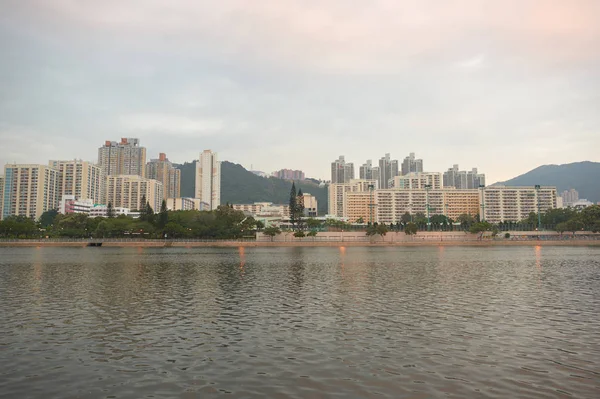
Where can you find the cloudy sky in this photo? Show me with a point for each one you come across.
(503, 85)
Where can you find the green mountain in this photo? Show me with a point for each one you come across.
(582, 176)
(239, 186)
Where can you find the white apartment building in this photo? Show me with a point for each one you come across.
(310, 205)
(336, 193)
(417, 180)
(208, 179)
(392, 204)
(127, 191)
(264, 209)
(186, 204)
(512, 204)
(80, 179)
(101, 210)
(70, 204)
(29, 190)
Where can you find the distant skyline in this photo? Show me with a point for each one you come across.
(504, 86)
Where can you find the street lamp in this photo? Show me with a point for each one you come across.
(537, 196)
(482, 187)
(427, 188)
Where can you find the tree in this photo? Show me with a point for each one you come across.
(573, 225)
(312, 233)
(163, 216)
(110, 211)
(312, 223)
(410, 229)
(381, 229)
(299, 208)
(299, 234)
(480, 227)
(360, 220)
(293, 204)
(47, 218)
(465, 221)
(406, 218)
(143, 203)
(271, 232)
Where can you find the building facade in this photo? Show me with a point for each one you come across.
(162, 169)
(1, 195)
(388, 169)
(336, 194)
(310, 204)
(80, 179)
(264, 209)
(359, 206)
(392, 204)
(29, 190)
(366, 170)
(126, 157)
(411, 164)
(186, 204)
(417, 180)
(513, 204)
(289, 174)
(127, 191)
(70, 204)
(208, 179)
(569, 197)
(341, 172)
(462, 179)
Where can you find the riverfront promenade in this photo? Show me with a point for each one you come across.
(467, 240)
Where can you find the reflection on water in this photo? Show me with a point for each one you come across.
(300, 322)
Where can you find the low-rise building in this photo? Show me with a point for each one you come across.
(310, 204)
(100, 210)
(187, 204)
(70, 204)
(264, 209)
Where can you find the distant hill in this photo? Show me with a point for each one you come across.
(240, 186)
(582, 176)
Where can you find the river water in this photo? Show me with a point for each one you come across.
(300, 322)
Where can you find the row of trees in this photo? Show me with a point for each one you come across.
(222, 223)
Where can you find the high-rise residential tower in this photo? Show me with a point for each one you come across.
(126, 157)
(410, 164)
(366, 170)
(1, 194)
(462, 179)
(80, 179)
(341, 172)
(162, 169)
(208, 179)
(388, 169)
(29, 190)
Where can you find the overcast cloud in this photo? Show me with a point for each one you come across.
(503, 85)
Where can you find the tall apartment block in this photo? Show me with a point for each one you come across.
(29, 190)
(463, 180)
(388, 169)
(80, 179)
(162, 169)
(289, 174)
(1, 194)
(126, 157)
(341, 172)
(411, 164)
(512, 204)
(127, 191)
(208, 179)
(365, 172)
(569, 197)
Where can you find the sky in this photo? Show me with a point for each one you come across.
(504, 86)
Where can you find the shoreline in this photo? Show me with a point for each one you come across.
(275, 244)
